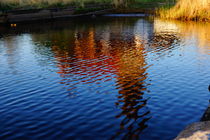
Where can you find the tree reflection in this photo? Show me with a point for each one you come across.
(110, 52)
(131, 78)
(96, 53)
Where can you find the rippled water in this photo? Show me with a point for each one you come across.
(104, 78)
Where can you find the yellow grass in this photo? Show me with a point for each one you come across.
(188, 10)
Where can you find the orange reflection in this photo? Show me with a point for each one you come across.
(96, 57)
(125, 59)
(93, 55)
(131, 82)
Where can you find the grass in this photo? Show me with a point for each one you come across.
(144, 4)
(198, 10)
(31, 4)
(86, 10)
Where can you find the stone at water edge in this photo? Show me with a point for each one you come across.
(195, 131)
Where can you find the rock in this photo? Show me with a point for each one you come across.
(206, 115)
(195, 131)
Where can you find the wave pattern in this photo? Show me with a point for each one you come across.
(114, 78)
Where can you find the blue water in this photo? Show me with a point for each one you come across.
(104, 78)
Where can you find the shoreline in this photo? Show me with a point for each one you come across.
(35, 15)
(44, 15)
(19, 16)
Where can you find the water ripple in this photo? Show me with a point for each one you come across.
(111, 78)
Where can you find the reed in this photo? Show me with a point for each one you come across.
(187, 10)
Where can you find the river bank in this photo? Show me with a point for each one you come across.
(17, 16)
(53, 13)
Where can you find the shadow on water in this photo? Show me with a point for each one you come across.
(109, 50)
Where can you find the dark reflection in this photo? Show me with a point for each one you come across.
(95, 54)
(164, 41)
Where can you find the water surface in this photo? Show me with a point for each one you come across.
(103, 78)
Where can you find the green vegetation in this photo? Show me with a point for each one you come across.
(198, 10)
(34, 4)
(81, 10)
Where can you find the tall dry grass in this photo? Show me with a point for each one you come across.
(188, 10)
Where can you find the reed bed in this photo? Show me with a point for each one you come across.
(198, 10)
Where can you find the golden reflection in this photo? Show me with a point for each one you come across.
(131, 82)
(91, 55)
(130, 69)
(94, 54)
(85, 45)
(94, 58)
(197, 31)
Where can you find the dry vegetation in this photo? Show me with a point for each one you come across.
(188, 10)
